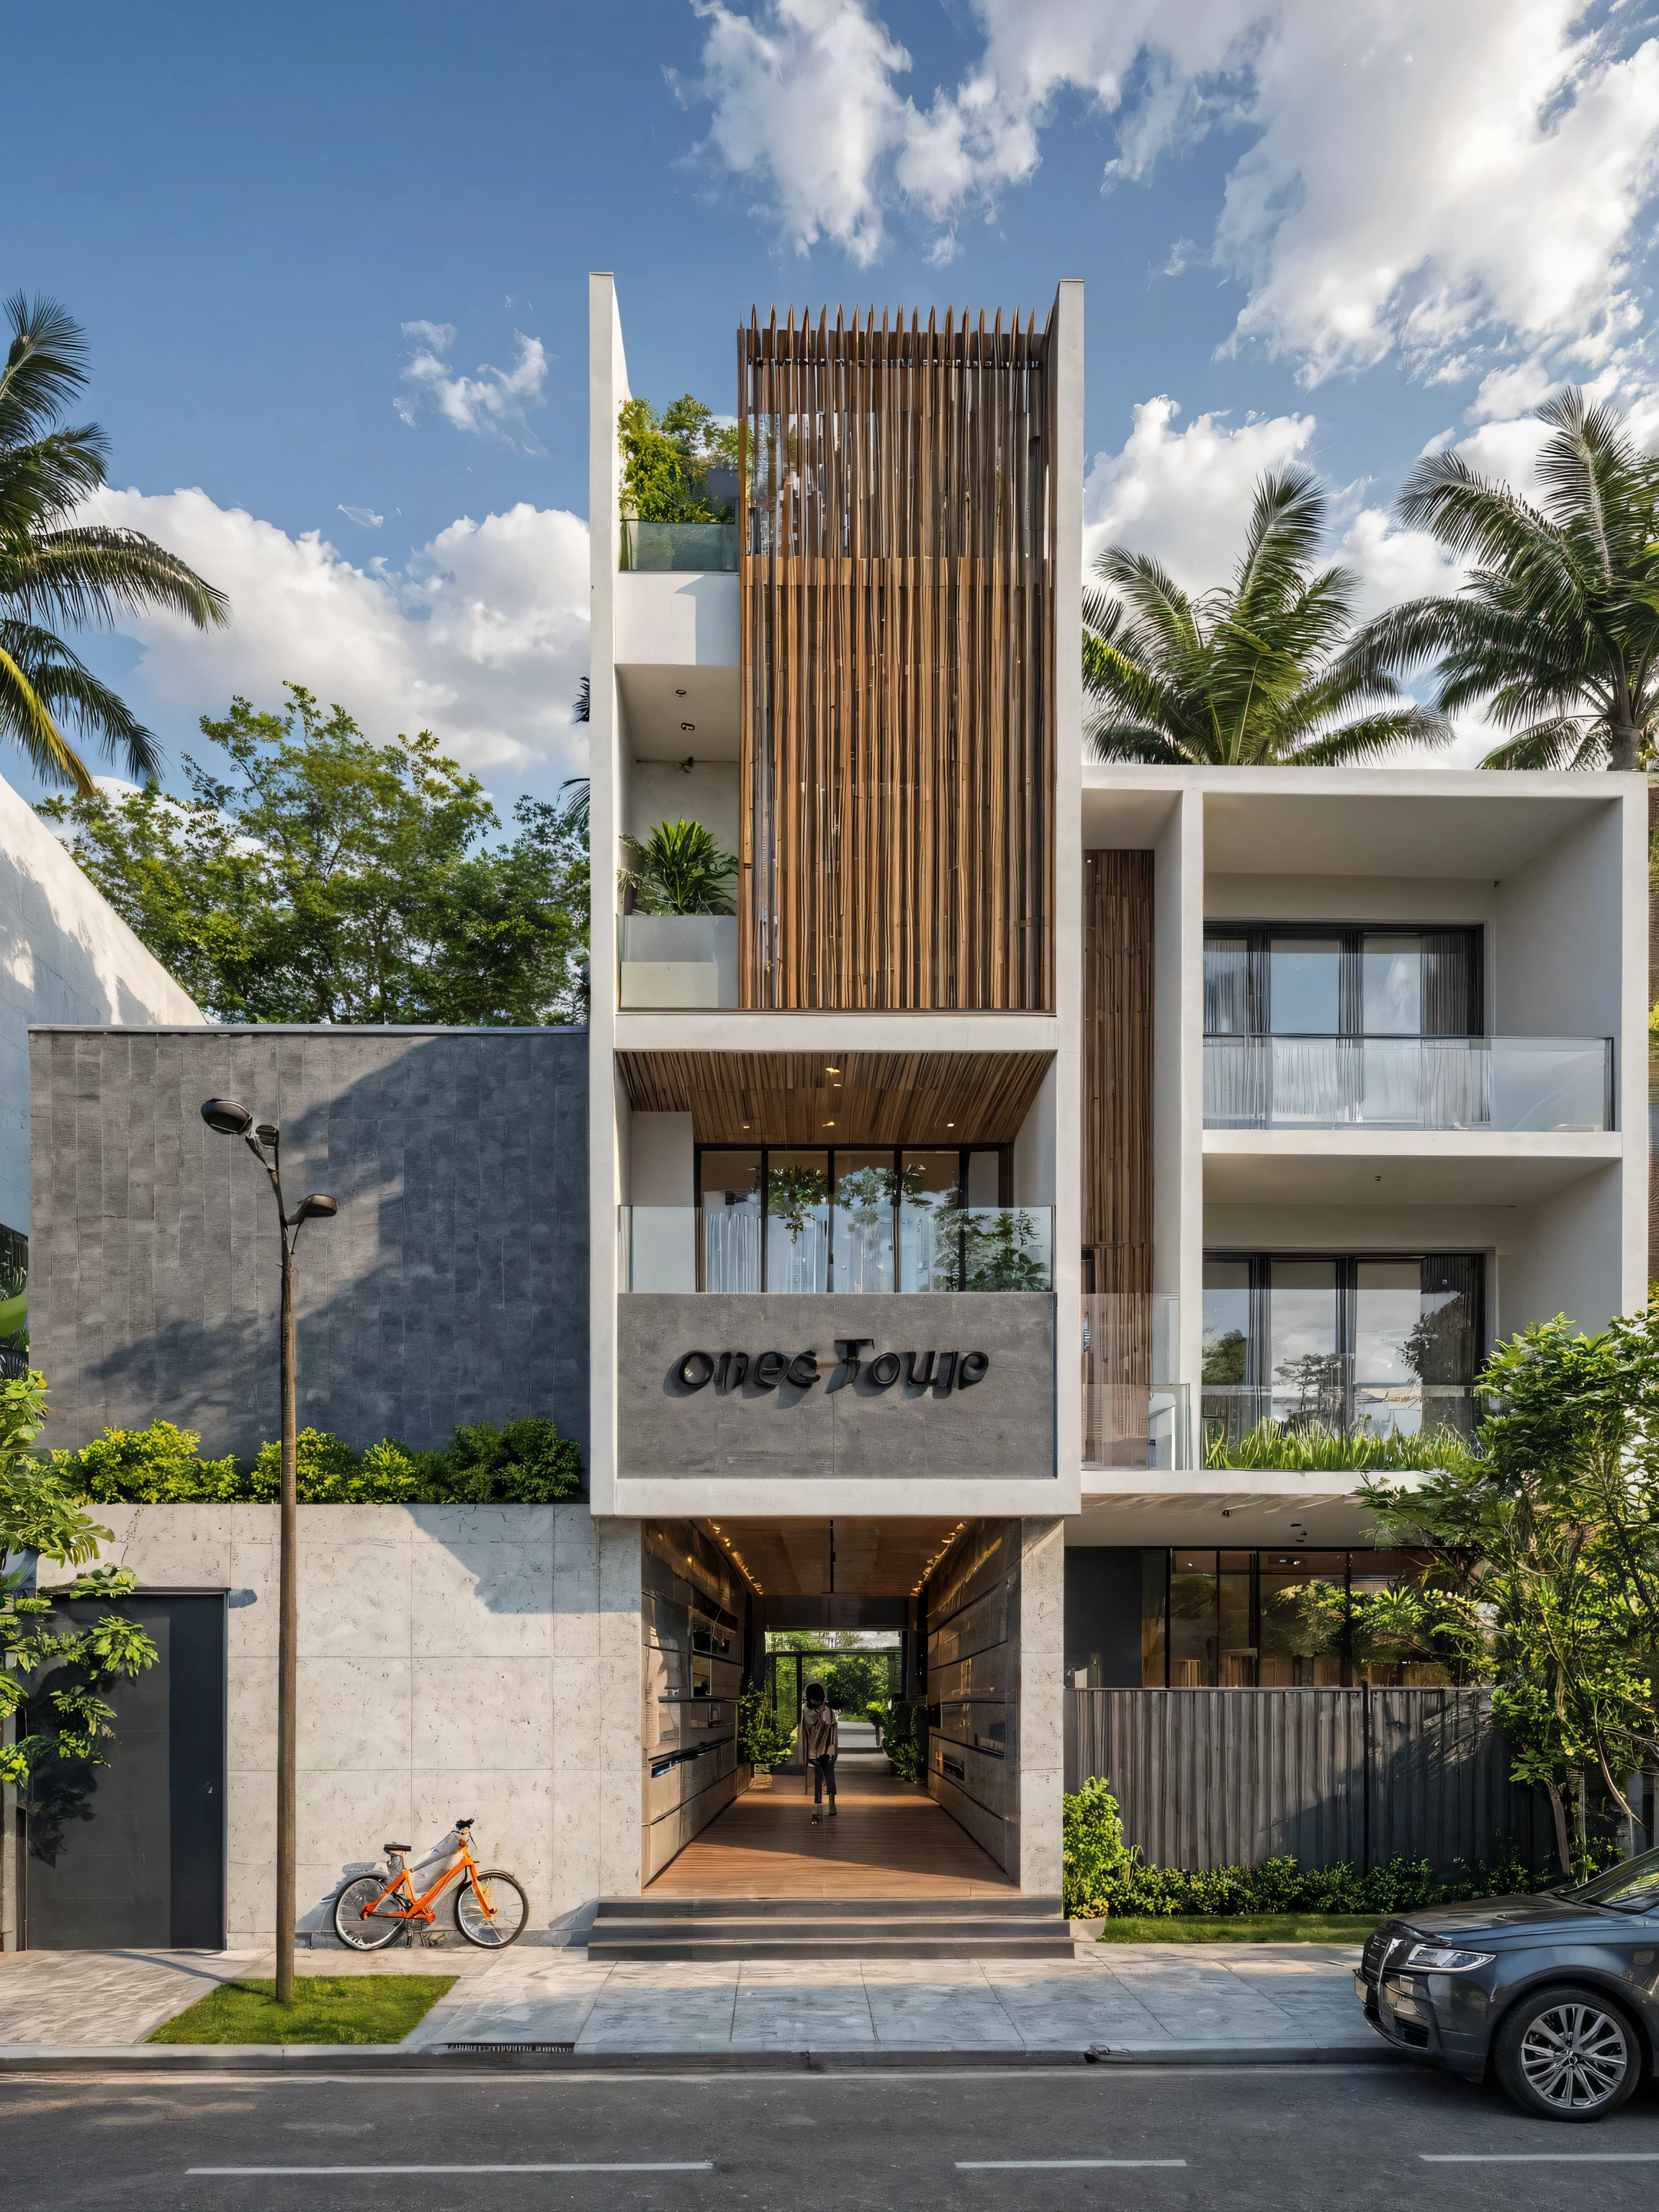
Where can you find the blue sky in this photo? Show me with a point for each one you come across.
(1337, 235)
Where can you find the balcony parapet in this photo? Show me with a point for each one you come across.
(1465, 1083)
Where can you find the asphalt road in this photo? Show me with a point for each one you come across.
(1234, 2138)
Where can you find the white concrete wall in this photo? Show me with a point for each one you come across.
(607, 372)
(65, 956)
(1034, 1154)
(454, 1660)
(685, 620)
(662, 791)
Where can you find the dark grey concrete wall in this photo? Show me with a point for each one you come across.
(842, 1426)
(451, 1288)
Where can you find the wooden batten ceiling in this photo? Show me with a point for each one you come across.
(839, 1098)
(872, 1558)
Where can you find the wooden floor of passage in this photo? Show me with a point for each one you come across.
(889, 1839)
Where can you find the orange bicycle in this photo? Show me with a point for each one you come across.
(491, 1910)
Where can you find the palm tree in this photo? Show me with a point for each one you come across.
(51, 570)
(1556, 632)
(1260, 672)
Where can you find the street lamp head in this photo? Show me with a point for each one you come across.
(320, 1206)
(226, 1117)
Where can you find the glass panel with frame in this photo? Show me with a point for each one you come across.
(1268, 1620)
(867, 1218)
(729, 1194)
(797, 1220)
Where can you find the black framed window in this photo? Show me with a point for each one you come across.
(1269, 1619)
(1305, 980)
(1382, 1343)
(871, 1217)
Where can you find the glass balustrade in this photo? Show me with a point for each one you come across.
(825, 1248)
(678, 547)
(1408, 1083)
(1330, 1395)
(672, 961)
(1135, 1414)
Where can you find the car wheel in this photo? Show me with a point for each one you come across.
(1568, 2054)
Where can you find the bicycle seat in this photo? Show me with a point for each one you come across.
(396, 1847)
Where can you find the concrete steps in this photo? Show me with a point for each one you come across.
(1014, 1926)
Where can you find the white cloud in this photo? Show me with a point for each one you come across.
(490, 405)
(1462, 183)
(365, 516)
(1184, 495)
(803, 97)
(481, 638)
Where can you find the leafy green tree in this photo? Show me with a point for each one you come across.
(54, 569)
(1262, 672)
(1557, 1525)
(58, 1675)
(679, 869)
(316, 877)
(666, 459)
(1556, 634)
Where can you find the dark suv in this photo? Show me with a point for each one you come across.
(1559, 1994)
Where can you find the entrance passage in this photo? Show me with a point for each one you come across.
(889, 1839)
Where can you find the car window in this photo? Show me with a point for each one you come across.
(1631, 1888)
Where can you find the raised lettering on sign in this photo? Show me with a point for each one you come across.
(939, 1372)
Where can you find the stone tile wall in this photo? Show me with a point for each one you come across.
(452, 1286)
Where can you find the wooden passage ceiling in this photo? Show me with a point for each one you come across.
(897, 728)
(872, 1558)
(839, 1098)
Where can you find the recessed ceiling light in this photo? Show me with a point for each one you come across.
(679, 695)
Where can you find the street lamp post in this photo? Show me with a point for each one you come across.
(264, 1142)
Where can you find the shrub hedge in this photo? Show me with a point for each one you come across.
(524, 1463)
(1104, 1880)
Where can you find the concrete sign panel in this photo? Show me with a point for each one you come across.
(950, 1385)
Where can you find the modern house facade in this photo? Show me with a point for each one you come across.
(912, 1246)
(65, 956)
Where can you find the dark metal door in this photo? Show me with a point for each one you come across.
(132, 1854)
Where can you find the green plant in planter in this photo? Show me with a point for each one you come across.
(792, 1193)
(1310, 1448)
(1004, 1251)
(765, 1739)
(679, 869)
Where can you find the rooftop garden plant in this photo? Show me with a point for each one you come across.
(678, 869)
(1308, 1448)
(667, 457)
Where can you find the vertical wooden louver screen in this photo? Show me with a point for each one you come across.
(1117, 1154)
(897, 775)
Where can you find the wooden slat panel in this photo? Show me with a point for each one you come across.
(873, 1098)
(897, 747)
(1117, 1152)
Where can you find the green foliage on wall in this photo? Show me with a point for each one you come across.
(666, 459)
(41, 1513)
(527, 1462)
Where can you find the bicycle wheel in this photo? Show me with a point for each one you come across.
(356, 1900)
(494, 1929)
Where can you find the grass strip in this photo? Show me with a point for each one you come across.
(327, 2008)
(1245, 1928)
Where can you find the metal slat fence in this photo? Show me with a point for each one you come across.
(1229, 1778)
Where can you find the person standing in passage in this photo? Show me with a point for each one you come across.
(821, 1739)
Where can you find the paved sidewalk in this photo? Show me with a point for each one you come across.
(1140, 1997)
(1149, 1996)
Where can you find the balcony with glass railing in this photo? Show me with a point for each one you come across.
(1395, 1083)
(674, 962)
(1328, 1397)
(827, 1248)
(1134, 1411)
(678, 547)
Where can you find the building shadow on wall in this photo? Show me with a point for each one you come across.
(450, 1288)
